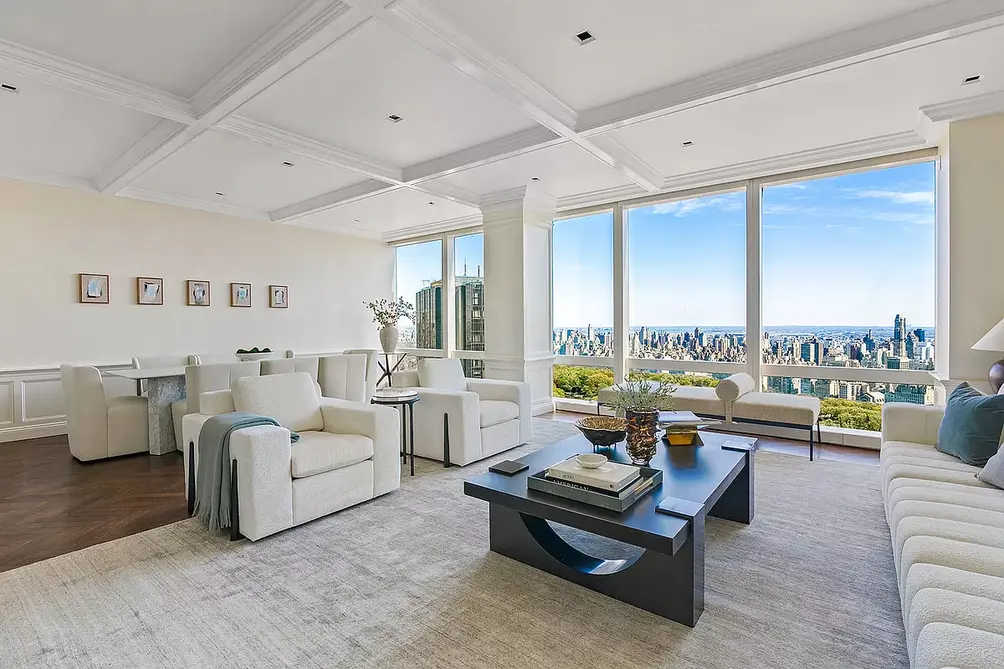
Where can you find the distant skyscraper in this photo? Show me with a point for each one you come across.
(428, 306)
(471, 321)
(920, 334)
(899, 336)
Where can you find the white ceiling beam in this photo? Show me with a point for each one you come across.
(307, 31)
(43, 177)
(34, 64)
(420, 22)
(900, 33)
(266, 135)
(448, 192)
(518, 143)
(971, 107)
(166, 135)
(359, 191)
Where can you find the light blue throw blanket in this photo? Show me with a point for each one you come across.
(212, 487)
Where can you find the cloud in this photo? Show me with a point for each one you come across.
(795, 185)
(897, 196)
(681, 208)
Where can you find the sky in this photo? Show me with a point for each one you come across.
(855, 250)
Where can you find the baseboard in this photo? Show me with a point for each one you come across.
(22, 432)
(542, 406)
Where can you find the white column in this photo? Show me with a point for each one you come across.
(517, 228)
(621, 328)
(754, 323)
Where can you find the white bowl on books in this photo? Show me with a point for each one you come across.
(591, 460)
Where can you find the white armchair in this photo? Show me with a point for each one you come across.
(460, 420)
(99, 426)
(348, 452)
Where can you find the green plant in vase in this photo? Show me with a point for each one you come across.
(640, 401)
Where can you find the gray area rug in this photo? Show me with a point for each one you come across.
(407, 581)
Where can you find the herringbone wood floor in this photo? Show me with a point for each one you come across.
(52, 504)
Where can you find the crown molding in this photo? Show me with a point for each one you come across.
(353, 193)
(800, 160)
(598, 197)
(959, 110)
(437, 228)
(928, 25)
(68, 75)
(144, 154)
(46, 178)
(266, 135)
(190, 203)
(518, 143)
(340, 230)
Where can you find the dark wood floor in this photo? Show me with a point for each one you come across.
(51, 504)
(790, 446)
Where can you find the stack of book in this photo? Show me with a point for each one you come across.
(612, 486)
(681, 427)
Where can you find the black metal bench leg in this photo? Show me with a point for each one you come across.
(812, 435)
(191, 478)
(446, 440)
(235, 517)
(819, 433)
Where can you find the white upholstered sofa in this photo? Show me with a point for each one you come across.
(348, 452)
(98, 426)
(459, 420)
(947, 531)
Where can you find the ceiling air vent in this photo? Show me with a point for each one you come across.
(7, 88)
(687, 144)
(286, 163)
(972, 80)
(585, 37)
(394, 118)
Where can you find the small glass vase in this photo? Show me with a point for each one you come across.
(641, 439)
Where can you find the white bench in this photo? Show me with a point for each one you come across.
(735, 400)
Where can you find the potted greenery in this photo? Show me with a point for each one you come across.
(387, 313)
(641, 400)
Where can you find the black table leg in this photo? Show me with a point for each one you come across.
(404, 442)
(671, 586)
(411, 434)
(736, 503)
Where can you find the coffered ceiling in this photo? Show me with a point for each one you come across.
(281, 109)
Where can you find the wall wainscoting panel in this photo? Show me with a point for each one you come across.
(32, 405)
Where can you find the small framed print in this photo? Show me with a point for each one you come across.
(94, 288)
(149, 290)
(278, 297)
(198, 293)
(240, 294)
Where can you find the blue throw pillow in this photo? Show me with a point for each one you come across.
(971, 428)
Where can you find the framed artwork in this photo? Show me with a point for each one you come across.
(240, 294)
(198, 293)
(278, 297)
(149, 290)
(94, 288)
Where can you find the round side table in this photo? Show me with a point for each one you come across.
(406, 406)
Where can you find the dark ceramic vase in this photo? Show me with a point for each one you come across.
(641, 439)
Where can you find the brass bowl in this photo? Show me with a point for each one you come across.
(602, 431)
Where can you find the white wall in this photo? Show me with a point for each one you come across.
(971, 293)
(48, 235)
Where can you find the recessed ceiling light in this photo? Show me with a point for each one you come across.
(687, 144)
(8, 88)
(972, 80)
(356, 220)
(585, 37)
(221, 194)
(394, 118)
(286, 163)
(431, 203)
(534, 178)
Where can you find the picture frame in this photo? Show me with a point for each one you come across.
(198, 292)
(149, 290)
(240, 295)
(278, 297)
(94, 288)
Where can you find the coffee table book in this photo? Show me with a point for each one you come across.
(610, 476)
(649, 479)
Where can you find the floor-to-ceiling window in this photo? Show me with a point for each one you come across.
(420, 282)
(469, 314)
(582, 276)
(686, 278)
(848, 266)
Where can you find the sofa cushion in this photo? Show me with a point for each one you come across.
(777, 408)
(993, 471)
(291, 399)
(732, 388)
(319, 452)
(442, 374)
(494, 412)
(972, 426)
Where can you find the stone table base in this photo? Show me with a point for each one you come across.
(161, 394)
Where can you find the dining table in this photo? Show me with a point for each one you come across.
(164, 387)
